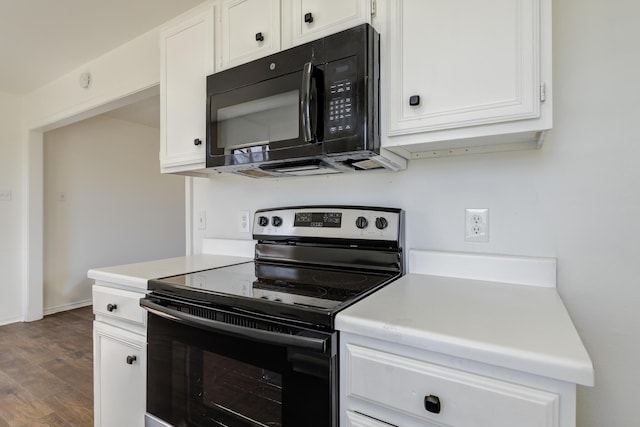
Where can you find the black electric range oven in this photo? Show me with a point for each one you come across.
(254, 344)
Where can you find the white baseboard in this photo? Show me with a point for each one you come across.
(10, 320)
(66, 307)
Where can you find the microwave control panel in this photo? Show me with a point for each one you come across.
(341, 88)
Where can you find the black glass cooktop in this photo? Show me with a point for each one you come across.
(287, 292)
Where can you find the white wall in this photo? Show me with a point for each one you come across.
(118, 208)
(127, 74)
(577, 199)
(124, 71)
(11, 179)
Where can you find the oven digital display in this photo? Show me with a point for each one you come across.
(318, 219)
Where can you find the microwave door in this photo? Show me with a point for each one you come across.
(255, 123)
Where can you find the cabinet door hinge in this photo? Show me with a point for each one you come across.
(543, 92)
(373, 8)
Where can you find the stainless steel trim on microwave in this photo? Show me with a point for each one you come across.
(299, 341)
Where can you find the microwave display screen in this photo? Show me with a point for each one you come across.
(274, 118)
(318, 219)
(342, 68)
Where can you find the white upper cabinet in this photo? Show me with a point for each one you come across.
(249, 29)
(465, 71)
(186, 60)
(308, 20)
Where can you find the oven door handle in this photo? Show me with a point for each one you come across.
(299, 341)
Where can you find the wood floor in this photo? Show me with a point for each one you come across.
(46, 373)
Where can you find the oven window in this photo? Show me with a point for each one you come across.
(196, 377)
(237, 393)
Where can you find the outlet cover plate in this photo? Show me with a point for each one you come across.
(202, 220)
(244, 222)
(476, 225)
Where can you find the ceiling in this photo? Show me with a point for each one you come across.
(41, 40)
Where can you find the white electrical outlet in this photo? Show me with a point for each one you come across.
(202, 220)
(244, 224)
(476, 225)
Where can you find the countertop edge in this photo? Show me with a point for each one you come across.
(573, 371)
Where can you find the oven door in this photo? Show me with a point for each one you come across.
(236, 371)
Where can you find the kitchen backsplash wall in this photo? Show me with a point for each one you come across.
(434, 194)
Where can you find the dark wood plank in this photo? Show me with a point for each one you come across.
(71, 405)
(46, 371)
(19, 407)
(51, 420)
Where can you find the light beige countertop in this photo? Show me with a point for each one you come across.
(138, 274)
(526, 328)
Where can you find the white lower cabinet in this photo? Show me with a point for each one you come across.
(119, 358)
(385, 384)
(354, 419)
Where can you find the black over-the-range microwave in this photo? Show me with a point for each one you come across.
(311, 109)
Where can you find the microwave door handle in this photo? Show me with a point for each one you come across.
(305, 102)
(299, 341)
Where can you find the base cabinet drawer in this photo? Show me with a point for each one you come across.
(442, 396)
(355, 419)
(119, 304)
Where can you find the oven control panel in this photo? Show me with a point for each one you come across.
(369, 223)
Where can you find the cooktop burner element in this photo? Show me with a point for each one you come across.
(310, 263)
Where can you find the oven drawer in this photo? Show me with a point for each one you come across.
(443, 396)
(119, 304)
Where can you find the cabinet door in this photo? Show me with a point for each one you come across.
(249, 29)
(454, 64)
(312, 19)
(119, 377)
(186, 60)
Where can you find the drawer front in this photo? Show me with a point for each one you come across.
(465, 400)
(119, 304)
(355, 419)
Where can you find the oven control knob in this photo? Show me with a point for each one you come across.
(276, 221)
(263, 221)
(381, 223)
(361, 222)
